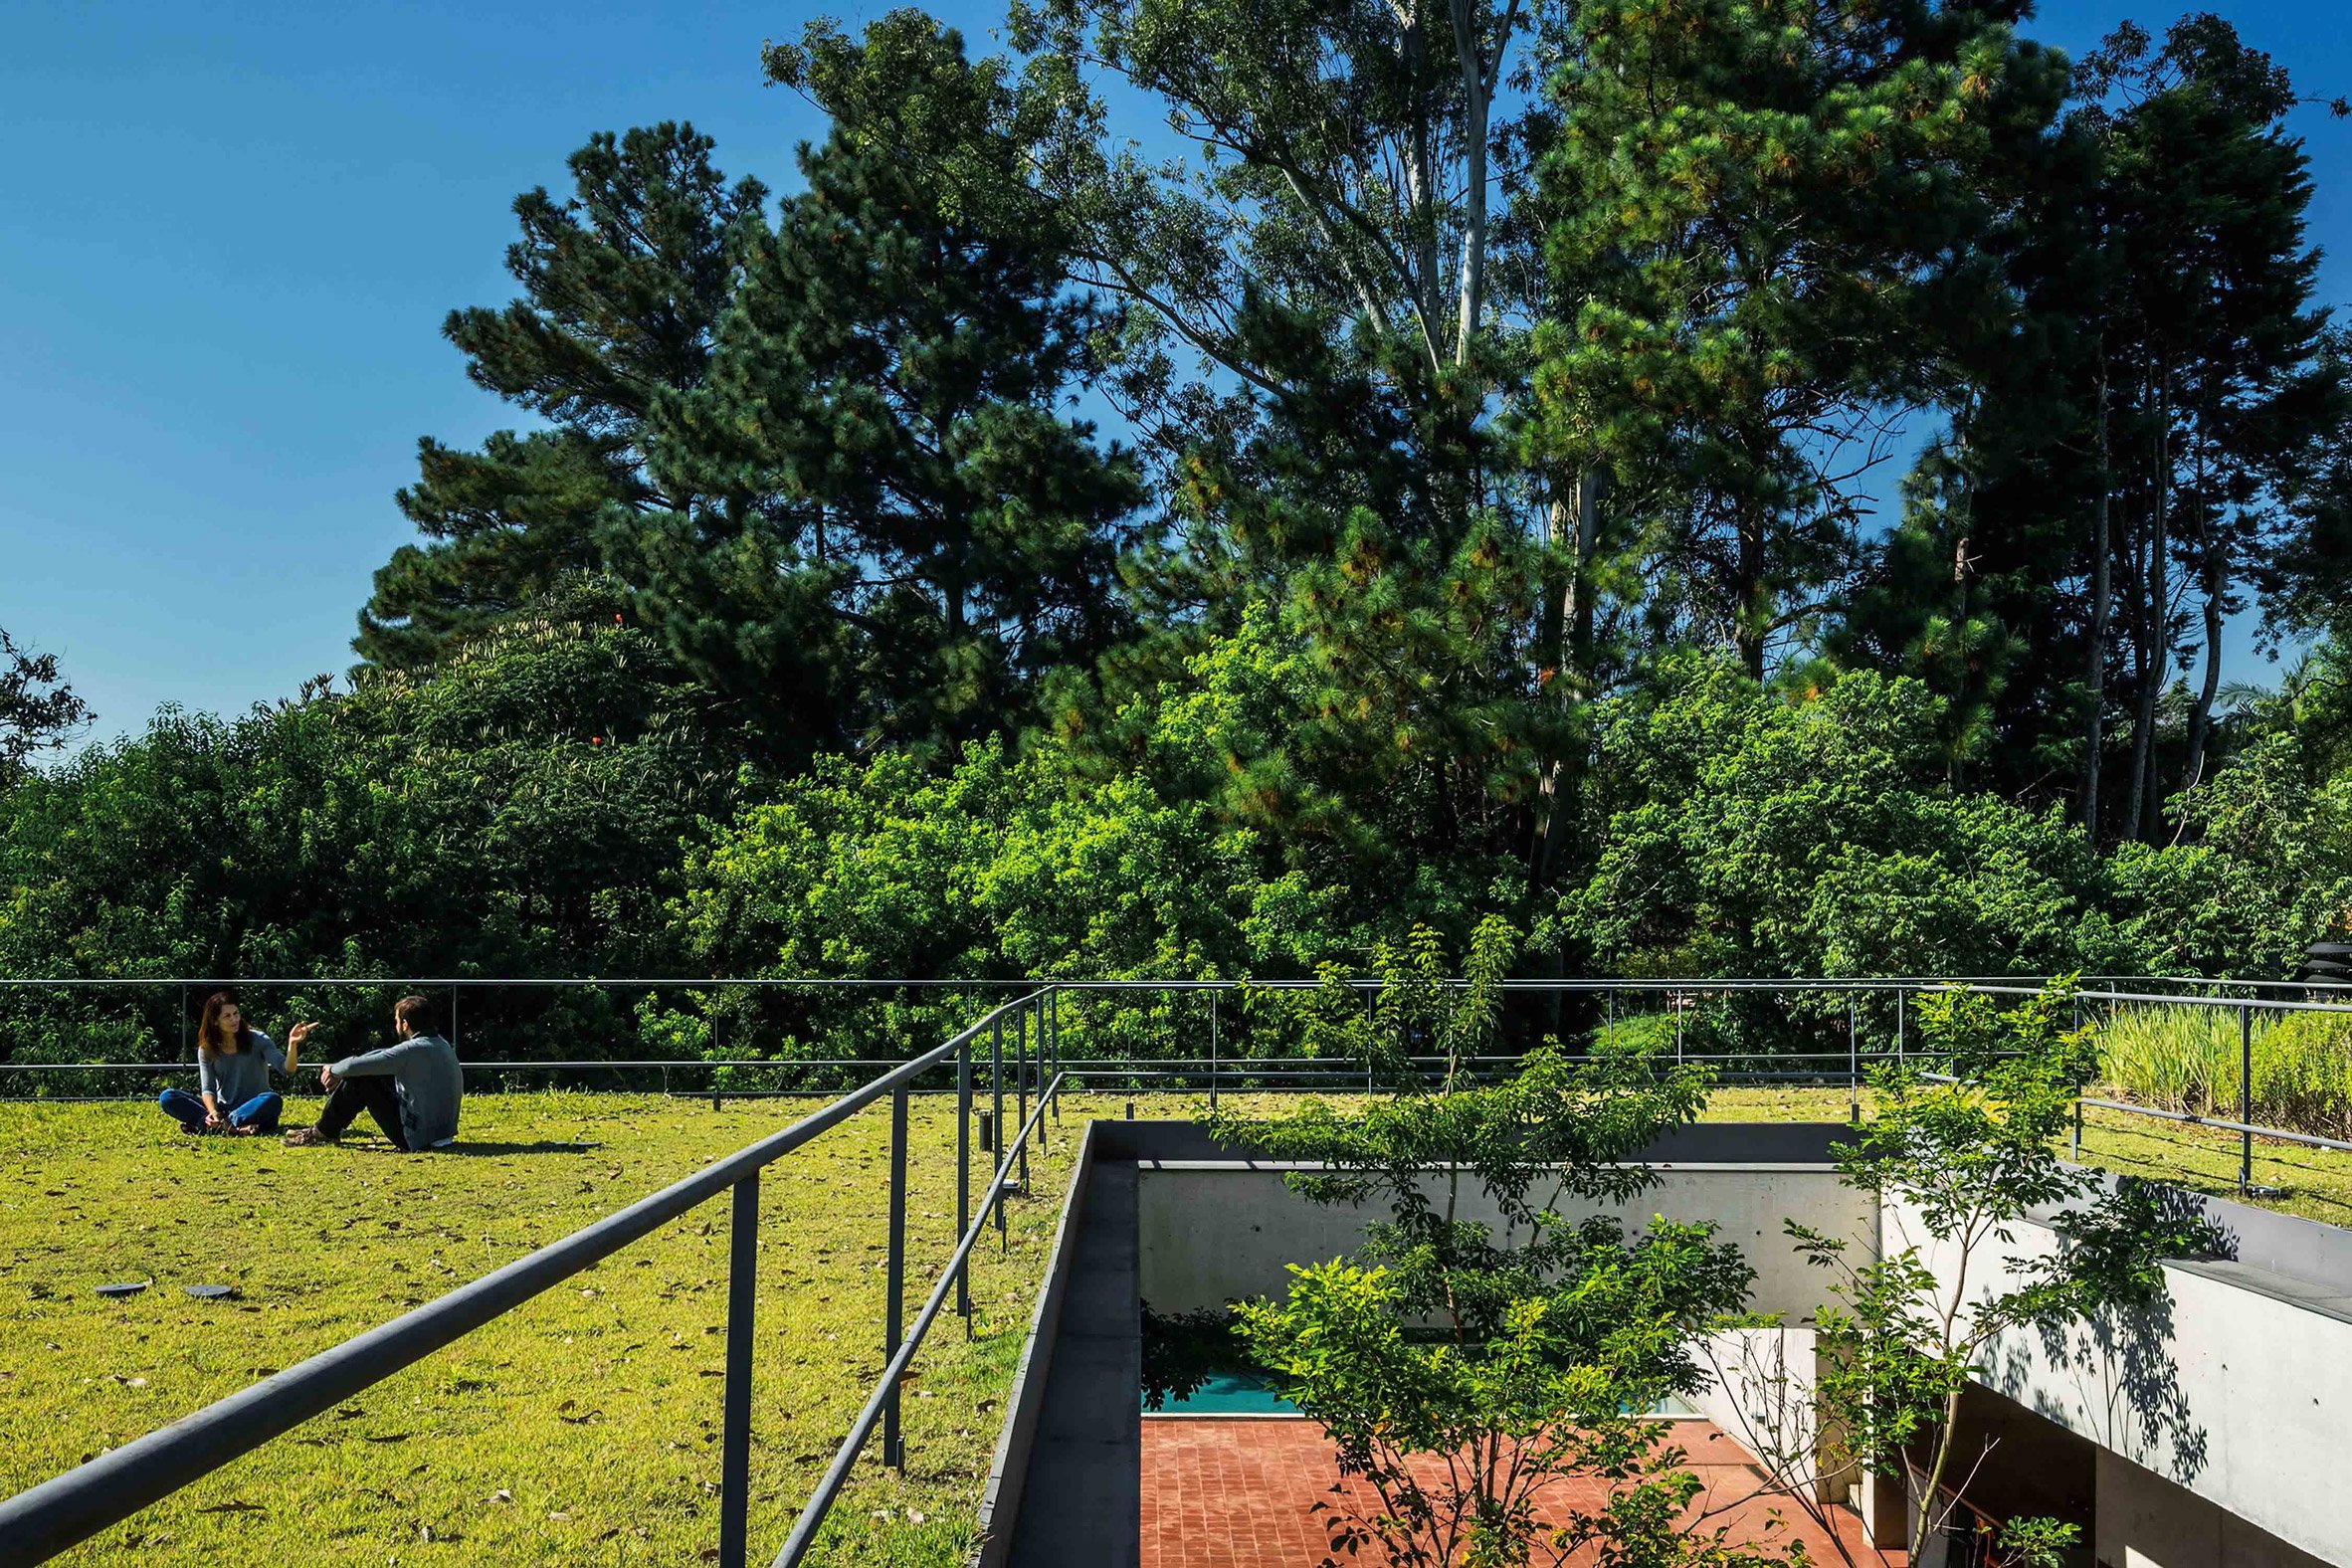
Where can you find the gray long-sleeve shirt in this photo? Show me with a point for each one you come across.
(425, 1074)
(232, 1077)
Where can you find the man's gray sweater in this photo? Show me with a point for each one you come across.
(424, 1073)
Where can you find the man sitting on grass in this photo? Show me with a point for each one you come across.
(410, 1087)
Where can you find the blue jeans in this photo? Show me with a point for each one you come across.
(260, 1112)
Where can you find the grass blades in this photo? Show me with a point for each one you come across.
(582, 1428)
(2187, 1058)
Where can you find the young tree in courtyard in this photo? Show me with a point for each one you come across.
(1549, 1335)
(1968, 1154)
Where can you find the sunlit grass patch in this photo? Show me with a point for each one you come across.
(2313, 1183)
(582, 1428)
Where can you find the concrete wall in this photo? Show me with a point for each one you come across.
(2237, 1391)
(1759, 1393)
(2146, 1521)
(1211, 1232)
(1007, 1471)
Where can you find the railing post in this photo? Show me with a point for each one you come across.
(996, 1088)
(2244, 1098)
(1053, 1033)
(895, 1290)
(963, 1177)
(453, 1020)
(1370, 992)
(1852, 1062)
(1213, 1051)
(735, 1462)
(1898, 1028)
(1020, 1088)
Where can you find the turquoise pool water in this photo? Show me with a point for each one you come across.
(1247, 1394)
(1232, 1394)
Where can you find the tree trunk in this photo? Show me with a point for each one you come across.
(2101, 603)
(1748, 609)
(1478, 104)
(1421, 182)
(2214, 581)
(2148, 656)
(1568, 638)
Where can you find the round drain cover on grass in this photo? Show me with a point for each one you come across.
(131, 1289)
(212, 1292)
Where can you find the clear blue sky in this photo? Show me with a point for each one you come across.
(229, 232)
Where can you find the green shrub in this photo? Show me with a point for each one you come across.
(2172, 1058)
(2187, 1059)
(2302, 1073)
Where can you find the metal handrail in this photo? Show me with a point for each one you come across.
(878, 1404)
(46, 1520)
(2308, 1139)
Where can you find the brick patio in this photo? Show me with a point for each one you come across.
(1235, 1493)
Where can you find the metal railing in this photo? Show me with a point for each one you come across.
(1682, 998)
(37, 1524)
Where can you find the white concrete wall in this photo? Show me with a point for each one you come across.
(2146, 1521)
(1759, 1393)
(2237, 1397)
(1212, 1233)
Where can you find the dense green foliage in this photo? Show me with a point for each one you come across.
(1432, 484)
(516, 808)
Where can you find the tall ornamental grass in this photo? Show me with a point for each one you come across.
(2186, 1059)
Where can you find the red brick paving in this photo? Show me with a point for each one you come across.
(1227, 1493)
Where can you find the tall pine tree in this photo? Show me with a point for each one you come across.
(896, 525)
(622, 286)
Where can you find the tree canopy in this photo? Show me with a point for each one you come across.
(1729, 489)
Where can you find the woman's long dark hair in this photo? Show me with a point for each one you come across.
(207, 1031)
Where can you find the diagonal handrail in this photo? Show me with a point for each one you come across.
(845, 1457)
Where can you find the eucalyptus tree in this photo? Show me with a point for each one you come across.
(2215, 344)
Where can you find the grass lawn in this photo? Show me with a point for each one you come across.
(2313, 1183)
(582, 1428)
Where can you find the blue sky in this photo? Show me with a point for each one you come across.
(229, 232)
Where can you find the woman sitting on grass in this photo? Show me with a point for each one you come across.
(233, 1064)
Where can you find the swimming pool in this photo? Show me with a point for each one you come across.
(1253, 1394)
(1232, 1394)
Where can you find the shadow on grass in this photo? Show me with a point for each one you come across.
(544, 1146)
